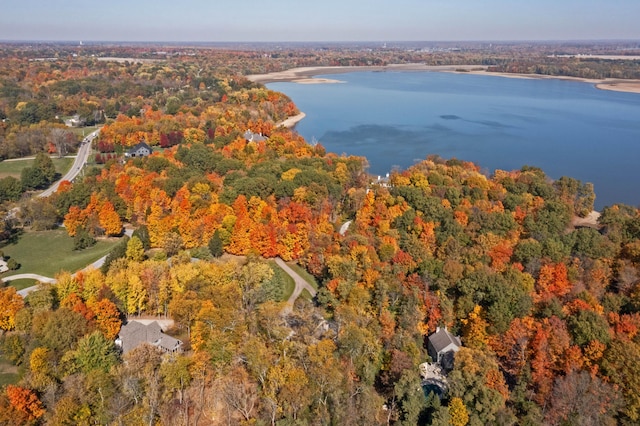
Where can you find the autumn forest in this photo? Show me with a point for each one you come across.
(548, 311)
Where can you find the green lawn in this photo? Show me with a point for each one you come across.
(14, 168)
(304, 274)
(8, 379)
(287, 282)
(20, 284)
(83, 131)
(306, 295)
(48, 252)
(8, 373)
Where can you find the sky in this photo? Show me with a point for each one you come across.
(328, 20)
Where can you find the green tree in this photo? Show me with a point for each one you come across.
(143, 234)
(411, 400)
(41, 174)
(470, 381)
(95, 352)
(621, 364)
(59, 330)
(10, 189)
(39, 214)
(83, 239)
(216, 246)
(586, 326)
(118, 252)
(176, 375)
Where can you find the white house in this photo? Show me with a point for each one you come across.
(139, 150)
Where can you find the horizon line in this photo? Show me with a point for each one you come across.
(69, 41)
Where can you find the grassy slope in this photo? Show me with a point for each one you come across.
(8, 373)
(304, 274)
(14, 168)
(48, 252)
(287, 282)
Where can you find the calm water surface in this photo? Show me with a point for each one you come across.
(397, 118)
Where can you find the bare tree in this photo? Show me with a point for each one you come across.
(63, 140)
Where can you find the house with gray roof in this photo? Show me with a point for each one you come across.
(249, 136)
(442, 346)
(139, 150)
(135, 333)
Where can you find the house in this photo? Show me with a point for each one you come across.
(74, 121)
(139, 150)
(135, 333)
(253, 137)
(442, 346)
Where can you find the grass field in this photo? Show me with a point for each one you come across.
(304, 274)
(48, 252)
(14, 168)
(8, 373)
(287, 282)
(306, 295)
(83, 131)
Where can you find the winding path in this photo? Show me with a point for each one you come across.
(301, 284)
(25, 291)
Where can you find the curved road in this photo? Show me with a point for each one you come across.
(78, 164)
(28, 290)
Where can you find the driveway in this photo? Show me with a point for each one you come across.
(301, 284)
(28, 290)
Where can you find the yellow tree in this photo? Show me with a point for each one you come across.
(10, 303)
(458, 415)
(67, 284)
(135, 249)
(474, 329)
(40, 363)
(137, 295)
(159, 225)
(92, 283)
(193, 135)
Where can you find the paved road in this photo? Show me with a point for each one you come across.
(28, 290)
(78, 164)
(301, 284)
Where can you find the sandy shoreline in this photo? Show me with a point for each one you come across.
(305, 75)
(291, 121)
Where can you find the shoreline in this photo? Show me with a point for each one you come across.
(290, 122)
(306, 75)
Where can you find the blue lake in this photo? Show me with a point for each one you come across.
(397, 118)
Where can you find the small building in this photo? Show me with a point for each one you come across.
(249, 136)
(74, 121)
(442, 347)
(135, 333)
(139, 150)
